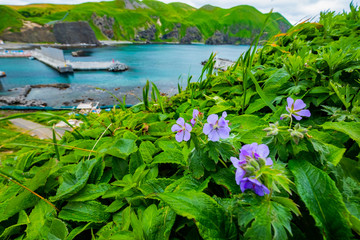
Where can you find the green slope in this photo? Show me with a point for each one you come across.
(241, 21)
(9, 19)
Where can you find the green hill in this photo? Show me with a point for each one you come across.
(151, 20)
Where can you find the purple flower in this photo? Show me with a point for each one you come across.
(296, 108)
(240, 172)
(195, 115)
(216, 128)
(183, 130)
(255, 151)
(254, 184)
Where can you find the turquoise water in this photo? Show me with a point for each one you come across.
(161, 64)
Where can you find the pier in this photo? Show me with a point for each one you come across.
(55, 58)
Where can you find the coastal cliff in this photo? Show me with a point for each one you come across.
(137, 21)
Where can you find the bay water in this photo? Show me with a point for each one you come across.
(163, 64)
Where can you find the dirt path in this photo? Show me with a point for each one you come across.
(38, 130)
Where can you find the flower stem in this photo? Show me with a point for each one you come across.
(223, 162)
(290, 121)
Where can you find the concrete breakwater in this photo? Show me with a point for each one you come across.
(55, 58)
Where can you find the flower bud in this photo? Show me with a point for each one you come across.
(254, 163)
(249, 169)
(262, 162)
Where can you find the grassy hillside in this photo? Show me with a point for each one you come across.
(9, 19)
(241, 21)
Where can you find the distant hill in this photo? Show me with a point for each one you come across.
(147, 20)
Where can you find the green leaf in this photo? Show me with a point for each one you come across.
(269, 220)
(147, 150)
(115, 206)
(14, 202)
(90, 211)
(74, 182)
(121, 148)
(350, 128)
(40, 221)
(15, 229)
(58, 229)
(77, 231)
(157, 223)
(226, 177)
(211, 218)
(187, 183)
(170, 156)
(220, 107)
(328, 152)
(90, 192)
(322, 198)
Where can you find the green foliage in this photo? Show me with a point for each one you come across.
(122, 175)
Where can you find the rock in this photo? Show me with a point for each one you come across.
(283, 26)
(66, 103)
(192, 34)
(148, 34)
(217, 38)
(105, 24)
(174, 34)
(117, 67)
(131, 4)
(75, 33)
(60, 86)
(22, 101)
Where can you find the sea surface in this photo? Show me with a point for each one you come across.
(164, 64)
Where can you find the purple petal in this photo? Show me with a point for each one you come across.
(195, 113)
(212, 119)
(269, 162)
(224, 114)
(297, 117)
(240, 173)
(214, 136)
(186, 136)
(223, 133)
(175, 128)
(179, 136)
(188, 127)
(207, 129)
(180, 121)
(192, 121)
(299, 104)
(304, 113)
(290, 102)
(262, 150)
(235, 162)
(259, 191)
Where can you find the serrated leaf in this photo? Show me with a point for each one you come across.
(15, 229)
(90, 211)
(350, 128)
(322, 198)
(269, 220)
(187, 183)
(121, 148)
(115, 206)
(226, 177)
(328, 152)
(74, 182)
(40, 221)
(219, 108)
(170, 156)
(90, 192)
(147, 150)
(25, 199)
(58, 229)
(212, 220)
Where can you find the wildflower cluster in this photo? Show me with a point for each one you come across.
(216, 128)
(251, 158)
